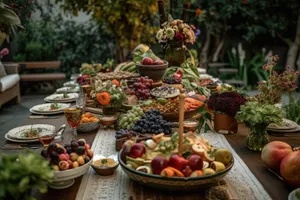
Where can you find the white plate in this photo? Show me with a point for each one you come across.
(20, 141)
(16, 133)
(67, 89)
(46, 113)
(45, 108)
(58, 98)
(286, 125)
(70, 84)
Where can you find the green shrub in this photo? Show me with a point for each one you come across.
(33, 51)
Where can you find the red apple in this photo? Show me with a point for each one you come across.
(126, 149)
(147, 61)
(178, 162)
(70, 164)
(137, 150)
(158, 62)
(63, 157)
(289, 168)
(158, 164)
(195, 162)
(273, 153)
(187, 171)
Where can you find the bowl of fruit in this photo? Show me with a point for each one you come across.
(88, 122)
(154, 69)
(156, 162)
(68, 162)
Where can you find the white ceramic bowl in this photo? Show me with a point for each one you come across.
(65, 179)
(293, 196)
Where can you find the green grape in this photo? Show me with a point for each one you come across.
(129, 127)
(125, 119)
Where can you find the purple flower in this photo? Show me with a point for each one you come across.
(197, 32)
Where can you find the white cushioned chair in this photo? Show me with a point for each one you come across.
(9, 84)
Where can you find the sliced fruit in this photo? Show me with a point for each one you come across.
(196, 173)
(176, 172)
(167, 172)
(156, 138)
(150, 144)
(208, 171)
(217, 166)
(209, 156)
(145, 169)
(198, 149)
(205, 165)
(138, 161)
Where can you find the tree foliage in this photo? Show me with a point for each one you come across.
(130, 21)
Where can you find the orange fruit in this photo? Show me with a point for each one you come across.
(88, 114)
(95, 119)
(85, 120)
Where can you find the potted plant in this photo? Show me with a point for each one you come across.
(271, 90)
(108, 95)
(172, 36)
(20, 173)
(225, 106)
(257, 117)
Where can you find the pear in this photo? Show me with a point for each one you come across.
(223, 155)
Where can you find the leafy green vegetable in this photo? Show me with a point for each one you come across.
(205, 120)
(253, 113)
(19, 173)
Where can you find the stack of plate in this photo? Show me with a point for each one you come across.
(286, 126)
(68, 90)
(45, 109)
(17, 134)
(59, 98)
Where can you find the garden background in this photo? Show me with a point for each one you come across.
(235, 34)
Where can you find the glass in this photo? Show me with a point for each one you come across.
(257, 137)
(80, 100)
(73, 117)
(46, 138)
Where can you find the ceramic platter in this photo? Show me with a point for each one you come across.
(59, 98)
(68, 90)
(162, 92)
(70, 84)
(286, 124)
(45, 109)
(17, 134)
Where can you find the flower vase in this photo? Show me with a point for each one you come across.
(225, 124)
(257, 137)
(175, 53)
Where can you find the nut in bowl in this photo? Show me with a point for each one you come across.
(88, 122)
(108, 120)
(191, 124)
(105, 166)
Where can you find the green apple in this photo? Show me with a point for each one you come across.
(223, 156)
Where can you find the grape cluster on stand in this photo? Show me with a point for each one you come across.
(127, 120)
(172, 80)
(125, 133)
(152, 122)
(141, 88)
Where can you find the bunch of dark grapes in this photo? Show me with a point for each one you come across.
(152, 122)
(125, 133)
(172, 80)
(141, 88)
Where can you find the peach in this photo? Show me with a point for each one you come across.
(273, 153)
(289, 169)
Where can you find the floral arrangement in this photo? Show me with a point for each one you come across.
(176, 30)
(271, 90)
(253, 114)
(4, 52)
(108, 93)
(227, 102)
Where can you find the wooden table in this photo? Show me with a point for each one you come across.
(272, 184)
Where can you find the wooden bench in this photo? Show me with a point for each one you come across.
(33, 77)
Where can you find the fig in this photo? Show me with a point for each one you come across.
(60, 150)
(81, 143)
(80, 150)
(74, 146)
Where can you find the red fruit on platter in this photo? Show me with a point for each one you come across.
(289, 169)
(274, 152)
(87, 146)
(63, 157)
(137, 150)
(63, 165)
(70, 164)
(187, 171)
(147, 61)
(177, 76)
(158, 164)
(178, 162)
(158, 62)
(195, 162)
